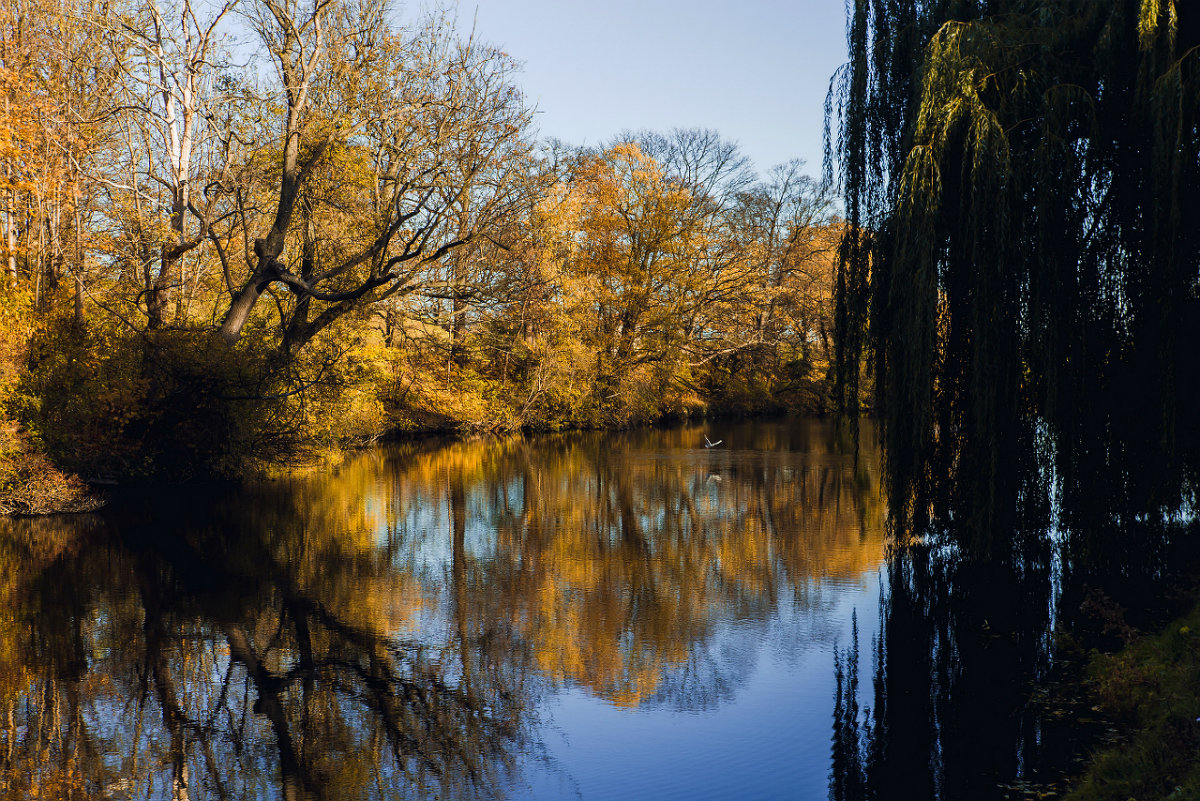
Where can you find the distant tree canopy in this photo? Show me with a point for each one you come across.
(1021, 267)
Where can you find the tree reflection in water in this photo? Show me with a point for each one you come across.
(170, 670)
(951, 712)
(392, 631)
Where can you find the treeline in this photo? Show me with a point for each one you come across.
(245, 228)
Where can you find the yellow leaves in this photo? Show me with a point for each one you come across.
(626, 233)
(627, 204)
(1151, 18)
(30, 146)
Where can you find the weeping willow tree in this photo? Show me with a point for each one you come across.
(1021, 272)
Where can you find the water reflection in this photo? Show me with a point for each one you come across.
(183, 668)
(956, 705)
(396, 630)
(953, 713)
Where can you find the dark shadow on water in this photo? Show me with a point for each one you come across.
(961, 645)
(972, 634)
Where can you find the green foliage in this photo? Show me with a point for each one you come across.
(1152, 688)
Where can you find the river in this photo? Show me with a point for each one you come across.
(592, 615)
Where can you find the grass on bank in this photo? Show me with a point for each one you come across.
(1152, 690)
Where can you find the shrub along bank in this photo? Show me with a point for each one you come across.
(1151, 690)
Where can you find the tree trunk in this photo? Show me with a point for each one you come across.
(458, 304)
(268, 250)
(158, 296)
(77, 269)
(11, 234)
(10, 222)
(79, 321)
(243, 303)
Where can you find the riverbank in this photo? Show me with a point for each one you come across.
(31, 484)
(1151, 691)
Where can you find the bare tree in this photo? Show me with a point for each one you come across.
(411, 132)
(168, 58)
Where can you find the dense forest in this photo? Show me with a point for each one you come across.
(259, 228)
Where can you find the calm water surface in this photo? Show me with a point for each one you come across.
(614, 616)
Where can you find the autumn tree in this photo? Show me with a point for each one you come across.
(770, 333)
(44, 138)
(633, 287)
(354, 207)
(52, 80)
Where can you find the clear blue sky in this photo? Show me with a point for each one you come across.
(756, 70)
